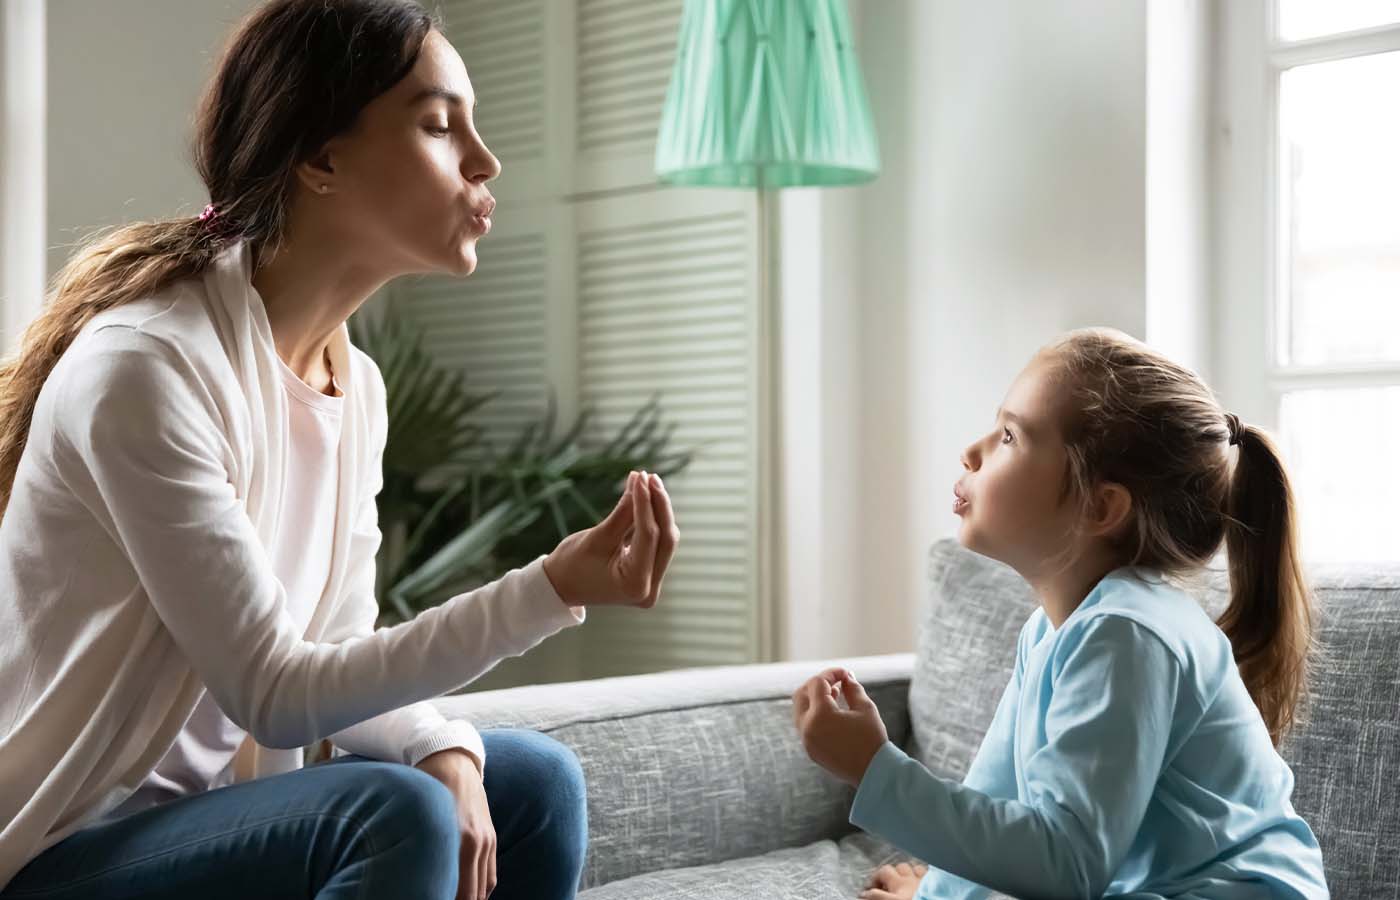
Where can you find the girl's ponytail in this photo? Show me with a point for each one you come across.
(1270, 616)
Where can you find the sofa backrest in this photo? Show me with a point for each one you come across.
(1345, 756)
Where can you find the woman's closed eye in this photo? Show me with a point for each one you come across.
(437, 130)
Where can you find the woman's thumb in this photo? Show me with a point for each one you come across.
(614, 527)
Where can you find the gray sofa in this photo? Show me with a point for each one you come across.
(698, 787)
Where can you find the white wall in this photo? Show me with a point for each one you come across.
(1011, 207)
(1179, 51)
(123, 80)
(21, 166)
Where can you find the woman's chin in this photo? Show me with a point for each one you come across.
(465, 262)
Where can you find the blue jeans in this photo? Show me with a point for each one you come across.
(348, 829)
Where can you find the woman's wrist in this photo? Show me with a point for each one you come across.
(451, 764)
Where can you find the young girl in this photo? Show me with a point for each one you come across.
(190, 450)
(1133, 752)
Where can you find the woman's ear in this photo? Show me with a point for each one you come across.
(318, 172)
(1112, 506)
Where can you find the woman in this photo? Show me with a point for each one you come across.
(189, 454)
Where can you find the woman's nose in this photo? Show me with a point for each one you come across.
(482, 165)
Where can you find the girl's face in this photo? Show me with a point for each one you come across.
(410, 176)
(1011, 497)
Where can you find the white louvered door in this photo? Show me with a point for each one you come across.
(666, 306)
(623, 56)
(600, 284)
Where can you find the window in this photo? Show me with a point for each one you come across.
(1325, 286)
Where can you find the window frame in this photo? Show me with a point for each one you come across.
(1254, 277)
(1251, 263)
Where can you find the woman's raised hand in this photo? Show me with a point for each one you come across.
(621, 560)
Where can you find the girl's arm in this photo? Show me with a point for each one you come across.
(992, 772)
(1107, 727)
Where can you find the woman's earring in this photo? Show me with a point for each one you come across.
(322, 188)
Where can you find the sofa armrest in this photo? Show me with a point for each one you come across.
(694, 766)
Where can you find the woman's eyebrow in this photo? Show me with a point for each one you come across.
(439, 93)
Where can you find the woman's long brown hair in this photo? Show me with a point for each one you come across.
(294, 74)
(1197, 476)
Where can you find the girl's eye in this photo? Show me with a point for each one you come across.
(437, 131)
(1006, 435)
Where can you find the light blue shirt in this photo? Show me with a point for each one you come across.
(1125, 756)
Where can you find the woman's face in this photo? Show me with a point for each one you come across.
(410, 176)
(1011, 495)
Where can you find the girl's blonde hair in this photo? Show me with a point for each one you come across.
(1139, 420)
(295, 74)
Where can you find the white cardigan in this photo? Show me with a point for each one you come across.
(134, 572)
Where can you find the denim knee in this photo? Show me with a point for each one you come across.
(548, 773)
(411, 805)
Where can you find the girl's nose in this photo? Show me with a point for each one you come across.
(967, 458)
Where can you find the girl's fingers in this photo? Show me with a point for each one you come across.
(799, 706)
(819, 694)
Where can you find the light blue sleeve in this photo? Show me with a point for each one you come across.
(1108, 720)
(993, 772)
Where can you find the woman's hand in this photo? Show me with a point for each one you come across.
(476, 868)
(842, 741)
(621, 560)
(899, 882)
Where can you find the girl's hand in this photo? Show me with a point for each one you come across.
(842, 741)
(899, 882)
(621, 560)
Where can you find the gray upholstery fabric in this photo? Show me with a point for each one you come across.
(693, 768)
(967, 647)
(826, 870)
(1346, 754)
(1345, 757)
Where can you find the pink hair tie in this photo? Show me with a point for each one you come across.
(209, 213)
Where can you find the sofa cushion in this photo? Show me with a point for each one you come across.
(825, 870)
(1345, 755)
(694, 767)
(966, 650)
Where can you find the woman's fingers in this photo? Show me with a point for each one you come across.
(668, 536)
(488, 870)
(466, 872)
(641, 556)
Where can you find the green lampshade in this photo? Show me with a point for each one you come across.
(766, 93)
